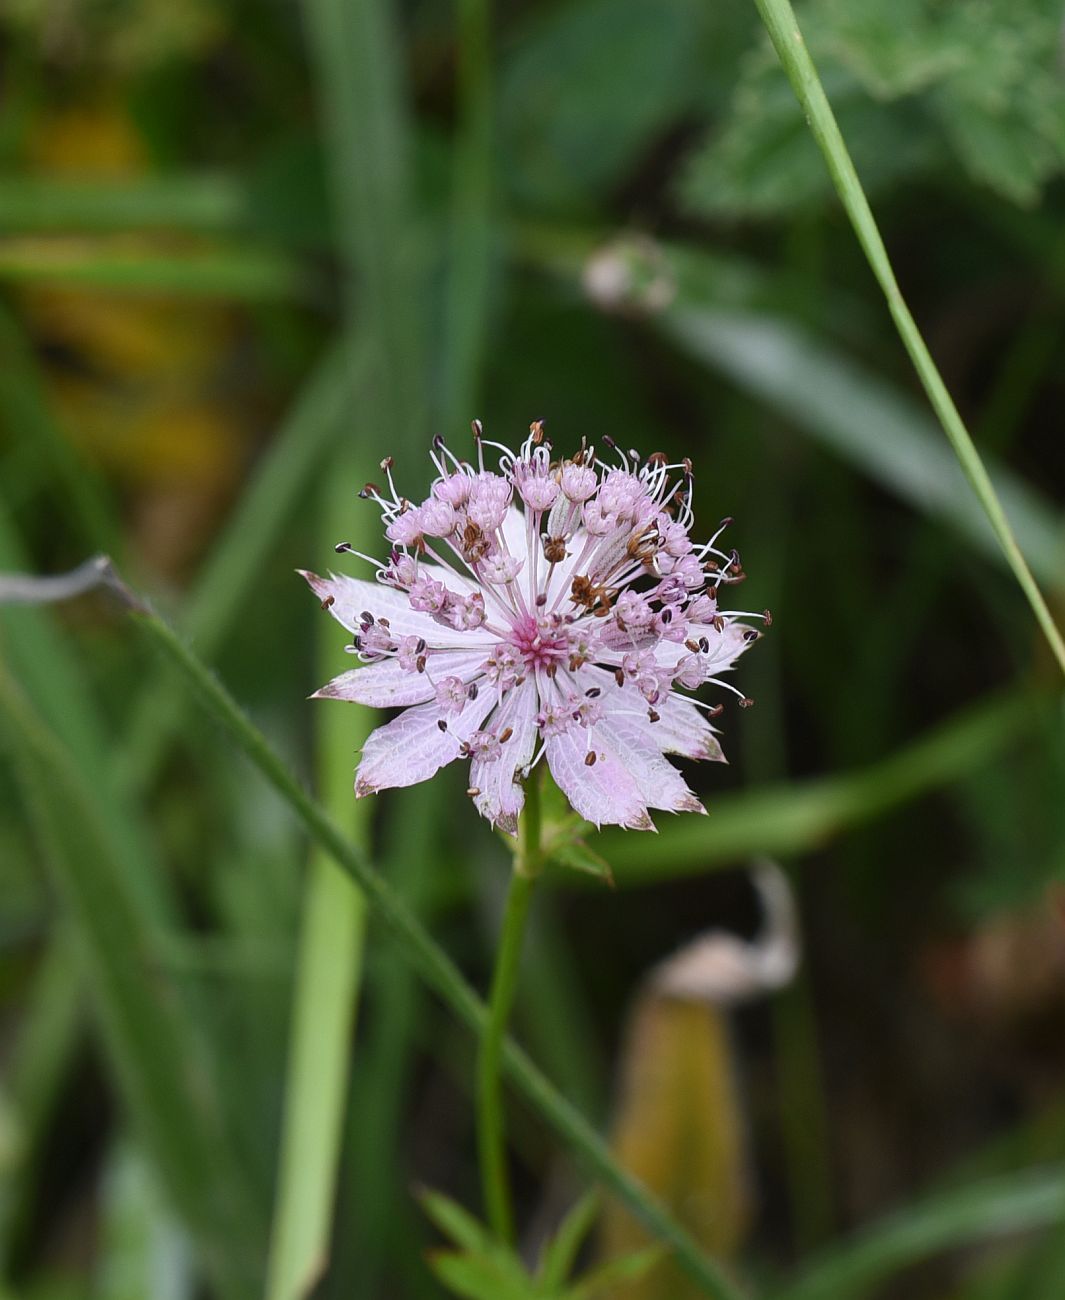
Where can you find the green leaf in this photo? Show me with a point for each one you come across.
(576, 855)
(763, 163)
(477, 1277)
(459, 1224)
(617, 1272)
(560, 1253)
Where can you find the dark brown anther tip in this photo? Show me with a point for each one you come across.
(589, 758)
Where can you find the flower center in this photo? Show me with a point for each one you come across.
(539, 643)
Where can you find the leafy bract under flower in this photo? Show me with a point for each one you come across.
(546, 609)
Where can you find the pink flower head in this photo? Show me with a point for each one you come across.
(553, 610)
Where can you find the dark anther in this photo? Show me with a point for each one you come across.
(441, 724)
(419, 663)
(746, 703)
(420, 646)
(653, 716)
(388, 462)
(716, 711)
(727, 522)
(751, 635)
(619, 676)
(589, 758)
(438, 441)
(341, 547)
(471, 691)
(593, 692)
(367, 618)
(667, 615)
(541, 600)
(505, 735)
(329, 600)
(704, 645)
(768, 618)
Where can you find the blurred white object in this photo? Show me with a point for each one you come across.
(722, 968)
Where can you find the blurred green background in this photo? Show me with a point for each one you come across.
(247, 249)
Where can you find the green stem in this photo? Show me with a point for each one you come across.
(783, 28)
(434, 965)
(490, 1136)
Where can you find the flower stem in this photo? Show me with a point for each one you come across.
(491, 1144)
(783, 28)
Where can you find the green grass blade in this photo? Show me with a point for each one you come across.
(328, 970)
(472, 202)
(154, 1047)
(433, 964)
(971, 1216)
(202, 204)
(783, 27)
(25, 411)
(247, 274)
(798, 818)
(357, 63)
(318, 417)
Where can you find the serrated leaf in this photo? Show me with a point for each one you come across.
(764, 162)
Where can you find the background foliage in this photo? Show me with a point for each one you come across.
(245, 251)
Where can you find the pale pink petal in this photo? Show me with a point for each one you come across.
(603, 793)
(681, 727)
(659, 782)
(386, 685)
(412, 747)
(351, 596)
(501, 798)
(726, 646)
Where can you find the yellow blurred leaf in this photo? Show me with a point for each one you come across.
(679, 1128)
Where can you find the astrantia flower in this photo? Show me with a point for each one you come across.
(552, 610)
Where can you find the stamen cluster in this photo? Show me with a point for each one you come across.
(546, 608)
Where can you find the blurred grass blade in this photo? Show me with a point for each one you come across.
(33, 1077)
(153, 1045)
(864, 420)
(783, 28)
(787, 820)
(358, 63)
(317, 418)
(205, 203)
(435, 967)
(471, 232)
(971, 1216)
(328, 965)
(244, 273)
(26, 413)
(354, 52)
(328, 969)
